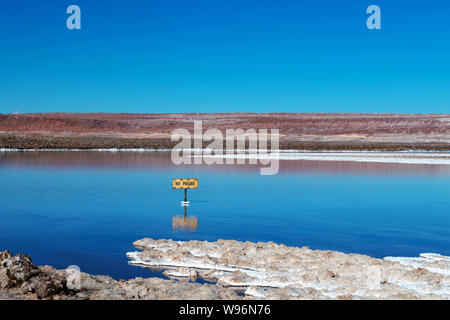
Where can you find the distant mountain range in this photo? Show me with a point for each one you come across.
(297, 130)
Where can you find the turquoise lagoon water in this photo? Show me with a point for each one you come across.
(86, 208)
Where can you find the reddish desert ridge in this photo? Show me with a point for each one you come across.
(297, 130)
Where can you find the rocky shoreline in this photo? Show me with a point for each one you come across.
(236, 270)
(20, 279)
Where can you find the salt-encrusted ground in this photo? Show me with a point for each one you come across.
(272, 271)
(441, 158)
(261, 270)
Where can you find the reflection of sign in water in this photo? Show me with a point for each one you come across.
(185, 183)
(183, 223)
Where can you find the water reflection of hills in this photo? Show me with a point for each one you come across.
(162, 160)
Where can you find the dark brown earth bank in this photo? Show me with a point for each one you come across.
(384, 132)
(28, 142)
(20, 279)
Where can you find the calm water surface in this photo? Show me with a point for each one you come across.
(86, 208)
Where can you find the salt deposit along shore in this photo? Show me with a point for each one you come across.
(272, 271)
(439, 158)
(237, 270)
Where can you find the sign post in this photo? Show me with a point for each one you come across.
(185, 184)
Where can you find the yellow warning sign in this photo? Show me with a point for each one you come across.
(185, 183)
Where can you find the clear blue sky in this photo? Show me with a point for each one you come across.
(225, 56)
